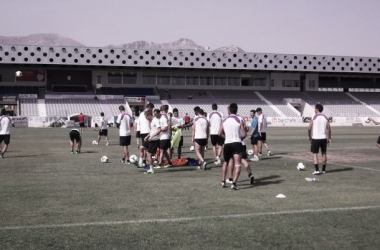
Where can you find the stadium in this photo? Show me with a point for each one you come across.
(54, 200)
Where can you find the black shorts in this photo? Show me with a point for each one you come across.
(152, 146)
(103, 132)
(137, 134)
(378, 140)
(5, 138)
(216, 139)
(74, 135)
(165, 144)
(254, 140)
(244, 152)
(231, 149)
(201, 142)
(145, 144)
(318, 143)
(81, 124)
(125, 140)
(263, 137)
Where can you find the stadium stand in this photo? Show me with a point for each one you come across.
(28, 107)
(340, 104)
(371, 99)
(65, 107)
(127, 91)
(62, 88)
(15, 90)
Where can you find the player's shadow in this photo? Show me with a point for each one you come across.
(270, 158)
(339, 170)
(280, 153)
(24, 156)
(88, 152)
(263, 181)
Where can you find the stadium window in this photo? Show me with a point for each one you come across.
(163, 79)
(246, 81)
(261, 82)
(192, 80)
(206, 80)
(149, 79)
(129, 78)
(233, 81)
(115, 78)
(99, 79)
(178, 80)
(220, 80)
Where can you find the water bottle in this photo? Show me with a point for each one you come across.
(311, 179)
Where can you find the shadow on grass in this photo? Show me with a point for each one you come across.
(263, 181)
(270, 158)
(339, 170)
(24, 156)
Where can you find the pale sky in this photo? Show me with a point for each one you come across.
(320, 27)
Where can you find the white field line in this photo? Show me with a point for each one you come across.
(181, 219)
(330, 162)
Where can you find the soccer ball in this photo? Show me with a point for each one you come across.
(133, 158)
(250, 152)
(368, 121)
(301, 166)
(104, 159)
(94, 142)
(192, 148)
(18, 73)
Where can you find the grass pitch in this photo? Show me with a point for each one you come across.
(50, 199)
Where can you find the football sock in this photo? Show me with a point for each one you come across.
(316, 167)
(324, 168)
(249, 175)
(230, 179)
(140, 160)
(234, 183)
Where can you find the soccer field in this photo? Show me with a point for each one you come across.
(51, 199)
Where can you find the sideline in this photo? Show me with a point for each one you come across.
(181, 219)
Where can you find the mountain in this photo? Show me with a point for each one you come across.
(231, 48)
(180, 44)
(57, 40)
(40, 39)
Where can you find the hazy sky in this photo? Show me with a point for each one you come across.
(332, 27)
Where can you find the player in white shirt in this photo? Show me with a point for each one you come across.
(177, 120)
(5, 131)
(137, 130)
(75, 135)
(125, 123)
(262, 120)
(153, 138)
(103, 131)
(234, 132)
(376, 123)
(244, 161)
(200, 133)
(215, 119)
(165, 134)
(320, 136)
(144, 131)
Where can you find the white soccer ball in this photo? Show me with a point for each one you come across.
(18, 73)
(104, 159)
(192, 148)
(250, 152)
(301, 166)
(133, 158)
(94, 142)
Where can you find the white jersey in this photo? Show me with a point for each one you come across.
(245, 126)
(125, 121)
(177, 121)
(320, 127)
(137, 122)
(154, 126)
(263, 119)
(144, 123)
(5, 125)
(164, 122)
(231, 126)
(215, 118)
(104, 123)
(201, 125)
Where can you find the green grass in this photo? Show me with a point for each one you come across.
(41, 183)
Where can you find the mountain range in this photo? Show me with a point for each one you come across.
(57, 40)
